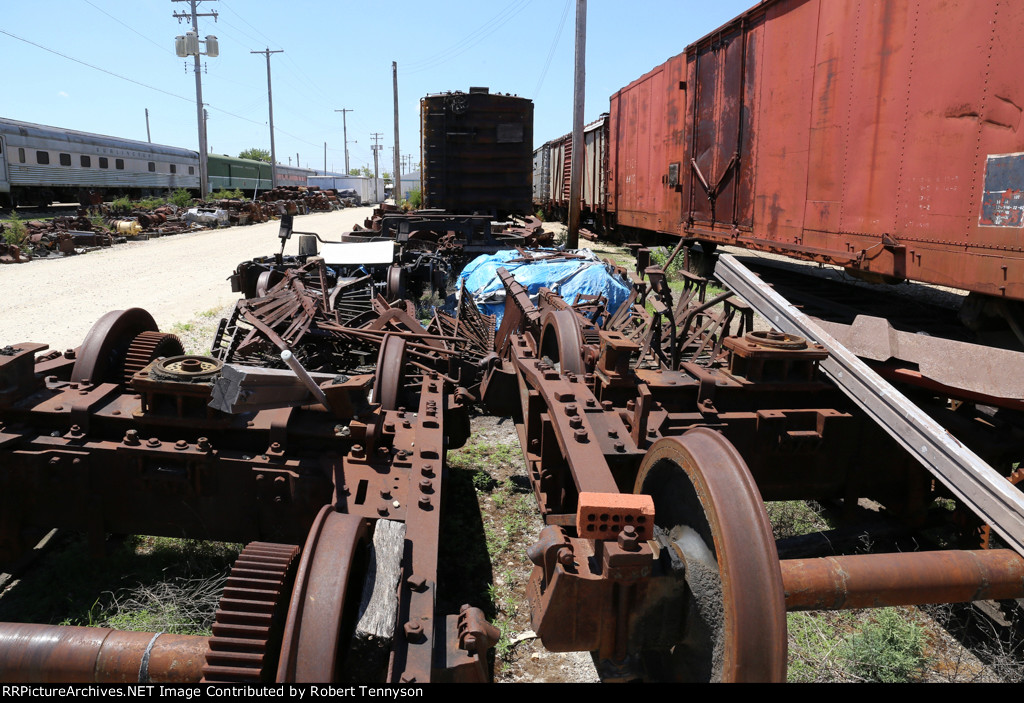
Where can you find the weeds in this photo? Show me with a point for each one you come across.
(889, 649)
(791, 518)
(181, 198)
(222, 194)
(15, 231)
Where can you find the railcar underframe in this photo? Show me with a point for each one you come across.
(651, 436)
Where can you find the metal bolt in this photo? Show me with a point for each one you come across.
(181, 444)
(424, 502)
(389, 427)
(591, 402)
(620, 447)
(570, 409)
(382, 511)
(357, 449)
(402, 454)
(652, 432)
(606, 405)
(153, 442)
(131, 437)
(75, 429)
(385, 494)
(427, 471)
(613, 433)
(580, 435)
(575, 421)
(275, 446)
(426, 486)
(565, 557)
(203, 445)
(414, 630)
(628, 540)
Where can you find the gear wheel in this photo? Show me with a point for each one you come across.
(148, 347)
(250, 616)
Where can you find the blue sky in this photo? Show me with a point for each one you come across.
(337, 54)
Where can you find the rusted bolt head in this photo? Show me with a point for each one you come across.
(652, 432)
(280, 479)
(54, 459)
(382, 511)
(575, 421)
(628, 540)
(406, 424)
(204, 444)
(357, 449)
(591, 402)
(571, 409)
(580, 435)
(620, 446)
(424, 502)
(389, 427)
(413, 631)
(385, 494)
(565, 557)
(426, 486)
(428, 471)
(75, 429)
(402, 454)
(153, 442)
(275, 446)
(416, 582)
(534, 444)
(606, 404)
(613, 433)
(181, 444)
(131, 437)
(631, 405)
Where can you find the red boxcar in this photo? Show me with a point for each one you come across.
(883, 136)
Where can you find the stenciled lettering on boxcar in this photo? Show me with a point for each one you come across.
(1003, 202)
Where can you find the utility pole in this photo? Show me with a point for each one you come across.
(148, 138)
(325, 158)
(188, 45)
(270, 99)
(376, 168)
(297, 164)
(344, 128)
(396, 191)
(576, 172)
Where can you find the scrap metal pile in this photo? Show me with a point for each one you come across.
(317, 431)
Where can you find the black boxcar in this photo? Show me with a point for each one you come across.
(477, 152)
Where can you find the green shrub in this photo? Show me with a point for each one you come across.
(890, 649)
(222, 194)
(415, 198)
(14, 231)
(181, 198)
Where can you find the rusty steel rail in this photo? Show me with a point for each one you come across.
(987, 493)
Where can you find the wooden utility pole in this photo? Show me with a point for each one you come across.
(344, 131)
(270, 99)
(377, 146)
(204, 178)
(396, 191)
(576, 171)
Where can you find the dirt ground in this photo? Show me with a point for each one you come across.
(176, 278)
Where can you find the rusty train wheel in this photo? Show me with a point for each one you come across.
(102, 354)
(312, 649)
(713, 521)
(250, 615)
(561, 341)
(389, 376)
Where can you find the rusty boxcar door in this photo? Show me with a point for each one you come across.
(716, 167)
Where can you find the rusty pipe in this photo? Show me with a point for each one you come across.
(909, 578)
(55, 654)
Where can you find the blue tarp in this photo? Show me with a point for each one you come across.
(567, 277)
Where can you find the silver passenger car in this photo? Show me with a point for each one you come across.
(40, 164)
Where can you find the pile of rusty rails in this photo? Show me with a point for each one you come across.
(306, 197)
(652, 436)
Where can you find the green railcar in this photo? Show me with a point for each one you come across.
(229, 172)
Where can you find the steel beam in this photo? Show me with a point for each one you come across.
(980, 487)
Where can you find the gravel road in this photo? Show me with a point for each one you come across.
(56, 300)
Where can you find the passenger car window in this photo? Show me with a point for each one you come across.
(119, 164)
(65, 159)
(104, 163)
(42, 157)
(174, 169)
(21, 154)
(86, 162)
(152, 167)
